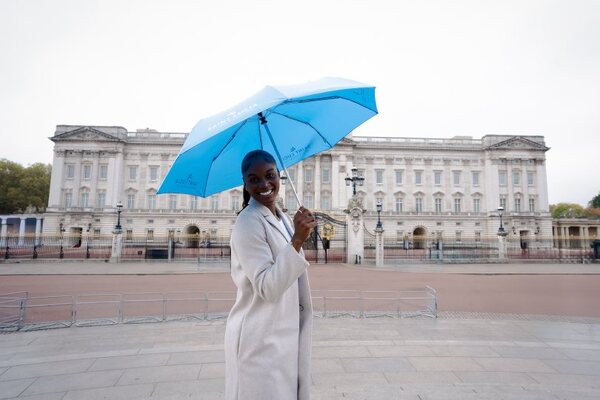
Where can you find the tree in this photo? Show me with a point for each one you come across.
(21, 187)
(567, 210)
(595, 202)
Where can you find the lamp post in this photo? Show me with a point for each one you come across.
(61, 229)
(87, 242)
(119, 210)
(354, 180)
(379, 207)
(501, 229)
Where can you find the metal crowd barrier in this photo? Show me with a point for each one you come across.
(22, 312)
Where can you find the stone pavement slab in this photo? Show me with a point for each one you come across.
(450, 358)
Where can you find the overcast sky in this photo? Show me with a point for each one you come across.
(442, 68)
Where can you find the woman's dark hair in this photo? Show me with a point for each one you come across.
(249, 160)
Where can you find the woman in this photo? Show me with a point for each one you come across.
(268, 334)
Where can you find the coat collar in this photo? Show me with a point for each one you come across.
(268, 215)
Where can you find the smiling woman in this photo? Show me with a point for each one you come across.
(268, 334)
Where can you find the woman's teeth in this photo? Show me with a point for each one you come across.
(266, 193)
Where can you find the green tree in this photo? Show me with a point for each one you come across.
(595, 202)
(567, 210)
(21, 187)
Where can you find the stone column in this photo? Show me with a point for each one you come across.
(38, 230)
(22, 231)
(56, 179)
(379, 261)
(117, 246)
(4, 232)
(502, 254)
(335, 179)
(300, 181)
(355, 231)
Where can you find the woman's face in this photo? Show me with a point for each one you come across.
(262, 182)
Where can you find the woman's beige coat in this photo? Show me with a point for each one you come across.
(268, 334)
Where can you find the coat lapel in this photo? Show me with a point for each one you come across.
(268, 215)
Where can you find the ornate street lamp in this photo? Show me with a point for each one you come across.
(379, 208)
(62, 230)
(354, 180)
(501, 229)
(119, 208)
(87, 242)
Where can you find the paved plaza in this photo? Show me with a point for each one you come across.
(460, 355)
(378, 358)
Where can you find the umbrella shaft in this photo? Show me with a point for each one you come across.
(263, 122)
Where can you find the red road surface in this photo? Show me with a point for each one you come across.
(574, 295)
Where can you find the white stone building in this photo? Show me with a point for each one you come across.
(429, 188)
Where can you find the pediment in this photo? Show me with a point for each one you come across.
(518, 143)
(85, 134)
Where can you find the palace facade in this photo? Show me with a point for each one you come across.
(447, 189)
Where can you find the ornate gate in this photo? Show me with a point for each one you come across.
(329, 245)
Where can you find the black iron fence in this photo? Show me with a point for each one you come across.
(317, 249)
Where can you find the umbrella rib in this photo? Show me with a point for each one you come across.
(233, 135)
(328, 98)
(305, 123)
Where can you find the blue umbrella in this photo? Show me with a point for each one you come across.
(290, 122)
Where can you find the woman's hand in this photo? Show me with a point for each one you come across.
(304, 223)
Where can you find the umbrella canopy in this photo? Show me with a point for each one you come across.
(290, 122)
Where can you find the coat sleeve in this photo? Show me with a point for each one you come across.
(270, 276)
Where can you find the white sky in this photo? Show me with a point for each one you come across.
(442, 68)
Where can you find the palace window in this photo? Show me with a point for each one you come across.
(132, 172)
(153, 174)
(517, 205)
(418, 177)
(399, 174)
(68, 199)
(531, 205)
(379, 176)
(475, 175)
(503, 203)
(458, 236)
(131, 201)
(150, 234)
(129, 234)
(214, 202)
(476, 205)
(103, 172)
(151, 201)
(84, 199)
(419, 205)
(308, 200)
(325, 175)
(87, 172)
(193, 203)
(325, 202)
(290, 201)
(172, 201)
(456, 178)
(502, 178)
(399, 204)
(437, 178)
(438, 205)
(235, 202)
(457, 205)
(308, 174)
(70, 171)
(516, 178)
(530, 179)
(101, 199)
